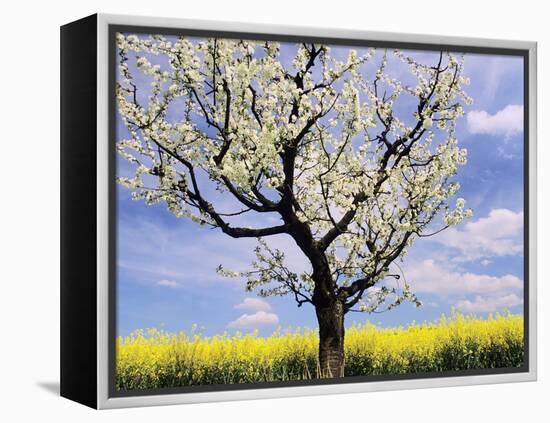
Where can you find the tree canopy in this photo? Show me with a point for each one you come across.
(350, 159)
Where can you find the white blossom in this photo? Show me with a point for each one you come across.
(238, 113)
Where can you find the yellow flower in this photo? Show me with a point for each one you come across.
(155, 359)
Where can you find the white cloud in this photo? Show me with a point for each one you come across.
(168, 283)
(505, 155)
(496, 235)
(430, 277)
(253, 304)
(488, 75)
(490, 304)
(150, 251)
(254, 321)
(507, 122)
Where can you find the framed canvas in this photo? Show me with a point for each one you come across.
(253, 211)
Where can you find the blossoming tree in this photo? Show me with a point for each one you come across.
(351, 163)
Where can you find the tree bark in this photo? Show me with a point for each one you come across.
(331, 339)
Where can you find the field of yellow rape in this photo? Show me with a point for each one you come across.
(156, 359)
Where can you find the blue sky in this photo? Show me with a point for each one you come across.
(166, 274)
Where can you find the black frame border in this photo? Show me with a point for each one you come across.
(351, 42)
(78, 211)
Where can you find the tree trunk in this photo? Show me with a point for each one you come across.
(331, 339)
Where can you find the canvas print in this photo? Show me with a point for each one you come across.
(297, 210)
